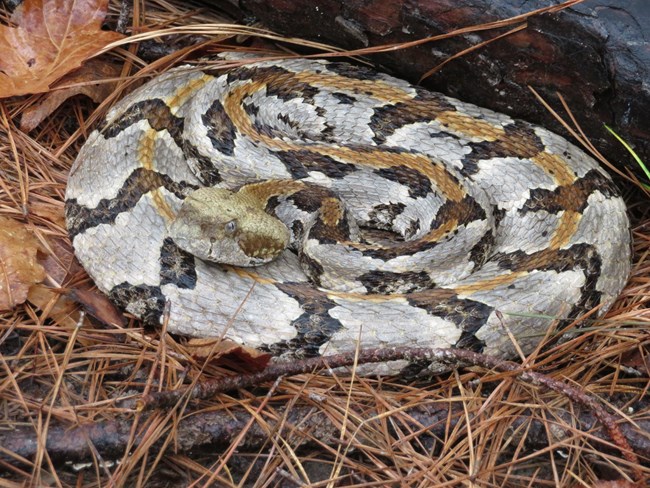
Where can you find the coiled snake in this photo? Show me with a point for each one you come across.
(409, 218)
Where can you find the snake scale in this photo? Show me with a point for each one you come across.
(408, 218)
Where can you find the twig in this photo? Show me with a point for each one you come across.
(123, 17)
(450, 357)
(220, 429)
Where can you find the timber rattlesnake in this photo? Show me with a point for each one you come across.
(494, 222)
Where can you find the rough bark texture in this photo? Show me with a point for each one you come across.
(309, 427)
(596, 54)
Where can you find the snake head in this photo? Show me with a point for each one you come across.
(222, 226)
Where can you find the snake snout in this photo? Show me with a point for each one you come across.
(221, 226)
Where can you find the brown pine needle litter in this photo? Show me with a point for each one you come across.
(74, 391)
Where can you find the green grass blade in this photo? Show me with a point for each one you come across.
(632, 152)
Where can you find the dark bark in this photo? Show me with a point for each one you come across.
(309, 427)
(596, 54)
(220, 429)
(452, 358)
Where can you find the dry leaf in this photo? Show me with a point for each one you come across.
(61, 262)
(98, 305)
(226, 352)
(93, 70)
(52, 38)
(18, 266)
(59, 308)
(637, 359)
(51, 212)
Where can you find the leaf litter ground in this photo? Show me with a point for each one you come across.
(71, 386)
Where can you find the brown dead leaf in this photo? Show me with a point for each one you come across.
(97, 305)
(94, 70)
(225, 352)
(18, 266)
(58, 307)
(637, 359)
(50, 212)
(60, 263)
(52, 38)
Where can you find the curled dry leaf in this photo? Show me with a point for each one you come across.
(63, 311)
(61, 305)
(78, 83)
(19, 268)
(49, 211)
(51, 38)
(59, 263)
(225, 352)
(637, 359)
(97, 305)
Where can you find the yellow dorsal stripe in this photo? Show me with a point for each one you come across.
(145, 154)
(566, 229)
(185, 91)
(445, 182)
(555, 167)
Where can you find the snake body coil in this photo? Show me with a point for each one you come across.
(410, 218)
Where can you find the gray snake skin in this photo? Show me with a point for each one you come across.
(410, 218)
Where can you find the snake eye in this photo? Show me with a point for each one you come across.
(230, 227)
